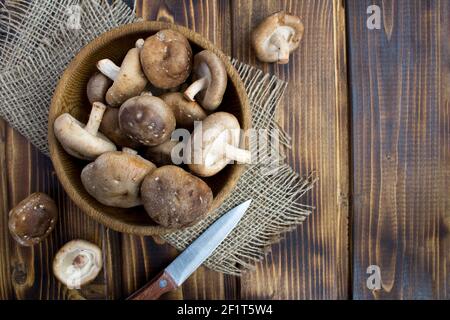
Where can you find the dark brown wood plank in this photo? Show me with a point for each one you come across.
(400, 80)
(142, 257)
(312, 261)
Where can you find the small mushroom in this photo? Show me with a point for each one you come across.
(114, 178)
(33, 219)
(83, 142)
(214, 144)
(185, 111)
(161, 154)
(111, 129)
(147, 120)
(166, 59)
(175, 198)
(276, 37)
(210, 80)
(77, 263)
(97, 87)
(129, 80)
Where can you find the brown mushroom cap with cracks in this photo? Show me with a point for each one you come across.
(185, 111)
(210, 82)
(166, 59)
(219, 136)
(161, 154)
(129, 80)
(147, 120)
(276, 37)
(114, 178)
(97, 87)
(83, 141)
(175, 198)
(111, 129)
(77, 263)
(33, 219)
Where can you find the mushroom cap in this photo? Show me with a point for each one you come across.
(213, 127)
(111, 129)
(166, 59)
(97, 87)
(175, 198)
(130, 81)
(185, 111)
(77, 263)
(33, 219)
(77, 141)
(147, 120)
(115, 177)
(207, 64)
(161, 154)
(282, 24)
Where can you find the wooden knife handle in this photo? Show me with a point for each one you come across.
(161, 284)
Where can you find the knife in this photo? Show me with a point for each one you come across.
(192, 257)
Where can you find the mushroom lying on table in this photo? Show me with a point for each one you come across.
(111, 129)
(114, 178)
(185, 111)
(175, 198)
(77, 263)
(33, 219)
(83, 141)
(97, 87)
(210, 80)
(147, 120)
(214, 144)
(129, 80)
(276, 37)
(166, 59)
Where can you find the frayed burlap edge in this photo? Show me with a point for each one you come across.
(36, 47)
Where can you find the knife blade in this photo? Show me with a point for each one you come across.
(193, 256)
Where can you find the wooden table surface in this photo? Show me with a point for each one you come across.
(368, 111)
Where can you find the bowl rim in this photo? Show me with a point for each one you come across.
(55, 156)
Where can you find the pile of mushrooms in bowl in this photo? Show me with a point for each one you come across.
(112, 121)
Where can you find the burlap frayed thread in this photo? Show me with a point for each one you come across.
(36, 47)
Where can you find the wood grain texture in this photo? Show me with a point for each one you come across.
(312, 261)
(400, 77)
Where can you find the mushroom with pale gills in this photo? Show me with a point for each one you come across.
(97, 87)
(210, 82)
(129, 80)
(161, 154)
(111, 129)
(214, 144)
(147, 120)
(175, 198)
(33, 219)
(185, 111)
(276, 37)
(166, 59)
(77, 263)
(83, 141)
(114, 178)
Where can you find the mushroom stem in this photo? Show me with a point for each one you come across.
(195, 88)
(283, 48)
(129, 151)
(237, 154)
(146, 93)
(140, 43)
(108, 68)
(95, 118)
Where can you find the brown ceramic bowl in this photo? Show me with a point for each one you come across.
(70, 96)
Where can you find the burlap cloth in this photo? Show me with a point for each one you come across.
(37, 41)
